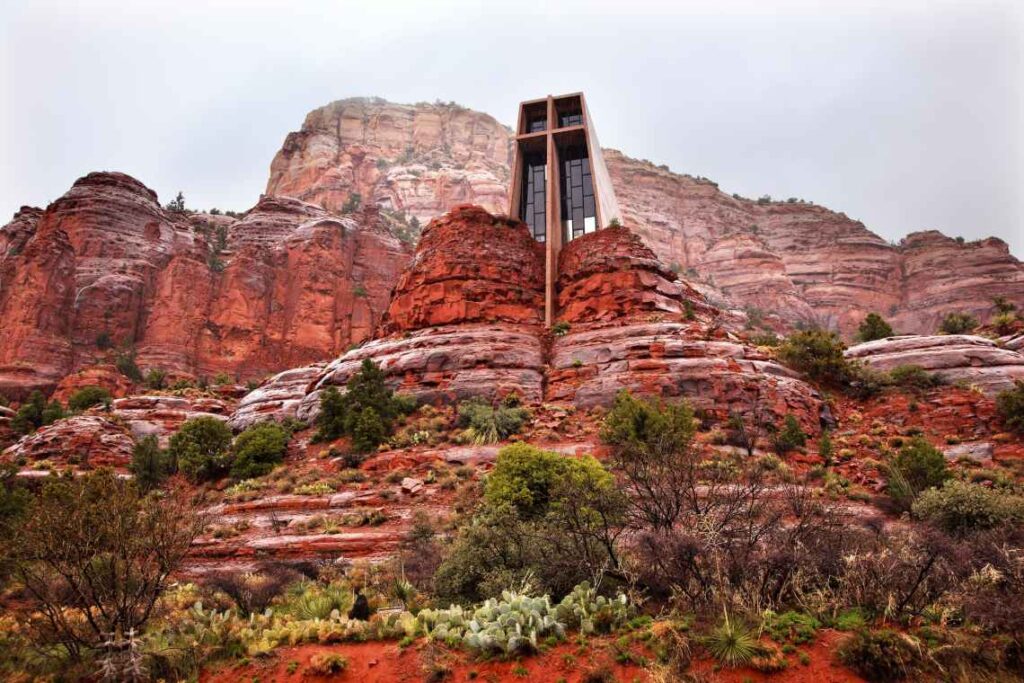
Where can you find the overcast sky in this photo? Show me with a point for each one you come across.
(905, 115)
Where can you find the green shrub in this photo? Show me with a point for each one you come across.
(199, 450)
(1010, 405)
(35, 413)
(880, 655)
(103, 341)
(918, 466)
(790, 437)
(795, 628)
(958, 323)
(873, 327)
(1003, 306)
(732, 643)
(818, 354)
(961, 507)
(560, 328)
(150, 464)
(327, 663)
(366, 392)
(485, 424)
(1004, 323)
(156, 378)
(914, 377)
(825, 448)
(125, 364)
(257, 449)
(87, 397)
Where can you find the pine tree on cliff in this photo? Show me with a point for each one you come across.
(873, 327)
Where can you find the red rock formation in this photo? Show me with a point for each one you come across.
(193, 294)
(416, 160)
(956, 358)
(276, 399)
(161, 416)
(82, 440)
(104, 376)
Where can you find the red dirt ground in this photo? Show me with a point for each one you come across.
(385, 662)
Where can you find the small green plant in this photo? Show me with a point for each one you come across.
(818, 354)
(1010, 406)
(366, 411)
(35, 413)
(103, 341)
(918, 466)
(873, 327)
(560, 328)
(792, 628)
(790, 437)
(958, 323)
(961, 508)
(825, 448)
(485, 424)
(199, 449)
(257, 449)
(850, 620)
(87, 397)
(913, 377)
(156, 378)
(150, 464)
(125, 363)
(732, 643)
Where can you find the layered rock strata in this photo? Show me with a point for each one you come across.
(956, 358)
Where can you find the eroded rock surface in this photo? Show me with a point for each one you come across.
(81, 440)
(956, 358)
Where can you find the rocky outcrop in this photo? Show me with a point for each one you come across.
(104, 376)
(82, 441)
(161, 416)
(634, 326)
(956, 358)
(106, 268)
(415, 160)
(278, 398)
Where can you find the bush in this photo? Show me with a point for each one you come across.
(914, 377)
(87, 397)
(36, 413)
(257, 449)
(961, 507)
(1010, 405)
(873, 327)
(485, 424)
(917, 467)
(880, 655)
(199, 449)
(732, 643)
(125, 364)
(958, 323)
(150, 464)
(818, 354)
(790, 437)
(328, 663)
(252, 592)
(342, 414)
(156, 378)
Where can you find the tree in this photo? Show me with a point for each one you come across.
(150, 464)
(790, 437)
(818, 354)
(199, 448)
(873, 327)
(1003, 306)
(258, 449)
(342, 414)
(177, 205)
(369, 431)
(36, 413)
(652, 447)
(94, 555)
(1010, 405)
(918, 466)
(87, 397)
(958, 323)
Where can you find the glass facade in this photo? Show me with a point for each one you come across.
(567, 119)
(537, 124)
(578, 210)
(533, 204)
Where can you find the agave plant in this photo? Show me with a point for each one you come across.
(732, 643)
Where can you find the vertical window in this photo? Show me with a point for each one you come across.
(577, 206)
(533, 205)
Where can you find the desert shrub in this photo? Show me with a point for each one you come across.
(87, 397)
(257, 449)
(1010, 405)
(962, 507)
(880, 655)
(732, 643)
(795, 628)
(308, 600)
(94, 555)
(914, 377)
(825, 448)
(486, 424)
(1002, 305)
(35, 413)
(873, 327)
(547, 516)
(328, 663)
(958, 323)
(156, 378)
(1004, 323)
(818, 354)
(790, 437)
(366, 392)
(125, 363)
(252, 592)
(918, 466)
(199, 449)
(560, 328)
(652, 446)
(150, 464)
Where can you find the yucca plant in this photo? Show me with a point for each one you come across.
(732, 643)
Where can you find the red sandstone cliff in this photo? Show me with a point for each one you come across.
(105, 269)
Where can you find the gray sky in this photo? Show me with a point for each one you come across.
(905, 115)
